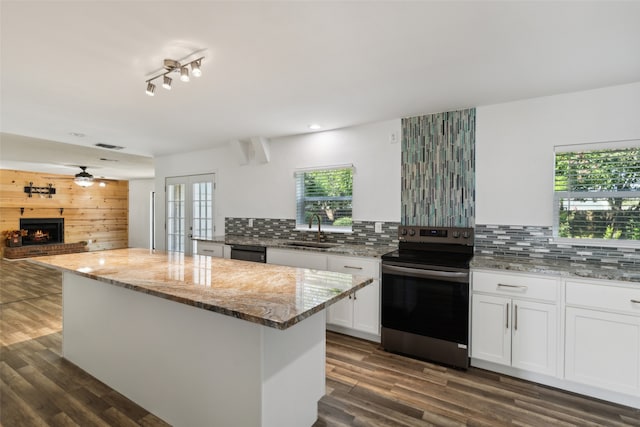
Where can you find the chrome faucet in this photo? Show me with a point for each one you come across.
(319, 223)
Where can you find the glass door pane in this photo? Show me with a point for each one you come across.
(189, 211)
(175, 217)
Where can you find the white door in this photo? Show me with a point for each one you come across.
(366, 309)
(491, 329)
(533, 338)
(603, 350)
(189, 211)
(341, 313)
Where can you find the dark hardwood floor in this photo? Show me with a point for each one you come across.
(365, 386)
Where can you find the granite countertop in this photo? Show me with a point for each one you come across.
(373, 251)
(271, 295)
(561, 268)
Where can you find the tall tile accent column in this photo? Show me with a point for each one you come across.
(438, 169)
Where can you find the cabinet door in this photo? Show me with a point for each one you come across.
(341, 313)
(297, 258)
(491, 329)
(366, 309)
(603, 350)
(533, 337)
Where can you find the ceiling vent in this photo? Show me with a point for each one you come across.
(109, 146)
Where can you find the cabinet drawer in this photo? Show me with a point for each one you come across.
(516, 285)
(604, 297)
(210, 249)
(354, 265)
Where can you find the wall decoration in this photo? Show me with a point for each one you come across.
(438, 169)
(31, 190)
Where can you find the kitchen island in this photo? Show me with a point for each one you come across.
(201, 340)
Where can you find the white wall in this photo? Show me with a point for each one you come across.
(268, 190)
(139, 212)
(514, 147)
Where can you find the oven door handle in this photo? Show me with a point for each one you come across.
(450, 276)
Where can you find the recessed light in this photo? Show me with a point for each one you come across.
(314, 126)
(77, 134)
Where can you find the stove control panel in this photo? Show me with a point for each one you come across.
(456, 235)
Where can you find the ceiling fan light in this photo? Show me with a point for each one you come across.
(84, 178)
(151, 88)
(195, 68)
(184, 74)
(83, 182)
(166, 82)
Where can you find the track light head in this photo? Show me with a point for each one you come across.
(166, 82)
(151, 88)
(195, 68)
(184, 74)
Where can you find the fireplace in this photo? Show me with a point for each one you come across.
(42, 231)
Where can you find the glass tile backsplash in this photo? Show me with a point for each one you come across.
(285, 228)
(535, 242)
(438, 169)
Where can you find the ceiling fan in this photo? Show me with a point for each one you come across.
(84, 178)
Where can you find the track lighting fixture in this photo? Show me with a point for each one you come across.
(173, 66)
(84, 178)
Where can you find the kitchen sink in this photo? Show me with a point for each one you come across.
(315, 245)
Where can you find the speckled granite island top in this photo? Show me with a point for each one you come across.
(271, 295)
(562, 268)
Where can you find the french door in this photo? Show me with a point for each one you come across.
(189, 211)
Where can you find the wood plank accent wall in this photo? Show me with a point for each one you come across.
(99, 214)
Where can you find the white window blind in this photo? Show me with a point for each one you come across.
(327, 193)
(597, 194)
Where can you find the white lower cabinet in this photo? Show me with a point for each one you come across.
(602, 346)
(515, 331)
(360, 312)
(593, 349)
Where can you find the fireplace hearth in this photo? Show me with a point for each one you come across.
(42, 231)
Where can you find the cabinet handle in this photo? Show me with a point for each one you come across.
(502, 285)
(515, 317)
(507, 317)
(353, 268)
(635, 301)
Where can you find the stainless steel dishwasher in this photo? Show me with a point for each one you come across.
(249, 253)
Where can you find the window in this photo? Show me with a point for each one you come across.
(327, 193)
(597, 193)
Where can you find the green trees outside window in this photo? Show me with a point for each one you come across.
(597, 194)
(327, 193)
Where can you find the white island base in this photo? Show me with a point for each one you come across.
(190, 366)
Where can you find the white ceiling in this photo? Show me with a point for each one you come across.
(272, 68)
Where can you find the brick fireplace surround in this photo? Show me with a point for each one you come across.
(43, 250)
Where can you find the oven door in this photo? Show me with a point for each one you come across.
(430, 303)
